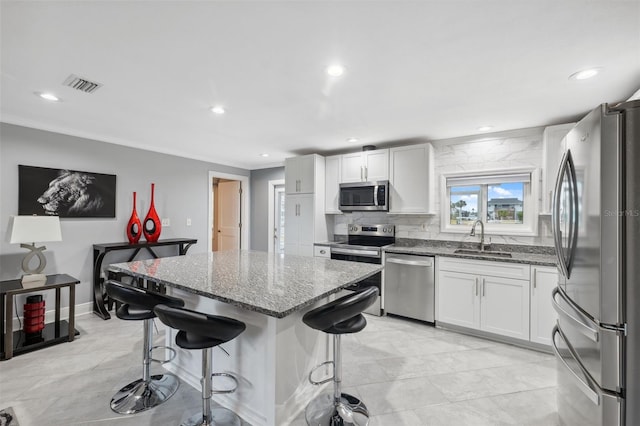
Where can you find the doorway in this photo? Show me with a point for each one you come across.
(275, 225)
(228, 212)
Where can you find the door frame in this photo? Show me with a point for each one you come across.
(271, 223)
(244, 208)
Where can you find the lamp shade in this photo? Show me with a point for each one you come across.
(31, 229)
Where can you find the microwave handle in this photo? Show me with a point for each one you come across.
(375, 197)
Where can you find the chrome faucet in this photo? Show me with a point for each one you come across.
(473, 232)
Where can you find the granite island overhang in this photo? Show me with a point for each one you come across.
(269, 292)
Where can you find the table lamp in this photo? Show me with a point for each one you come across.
(28, 229)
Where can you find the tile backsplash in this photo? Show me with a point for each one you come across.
(521, 148)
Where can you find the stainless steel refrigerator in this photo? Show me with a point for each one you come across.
(596, 228)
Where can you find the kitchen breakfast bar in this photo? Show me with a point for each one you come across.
(270, 293)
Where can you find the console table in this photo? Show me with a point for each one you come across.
(16, 342)
(100, 251)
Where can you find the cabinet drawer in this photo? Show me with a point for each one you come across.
(518, 271)
(322, 251)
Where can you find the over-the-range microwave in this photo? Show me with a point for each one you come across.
(364, 196)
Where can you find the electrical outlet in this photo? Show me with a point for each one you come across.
(188, 221)
(166, 222)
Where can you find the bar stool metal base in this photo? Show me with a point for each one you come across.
(322, 411)
(219, 416)
(139, 396)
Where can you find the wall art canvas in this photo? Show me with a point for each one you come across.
(65, 193)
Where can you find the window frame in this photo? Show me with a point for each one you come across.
(530, 203)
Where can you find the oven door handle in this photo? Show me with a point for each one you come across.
(355, 252)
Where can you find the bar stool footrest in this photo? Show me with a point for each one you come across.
(222, 391)
(164, 361)
(320, 382)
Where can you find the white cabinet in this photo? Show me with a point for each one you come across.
(411, 175)
(305, 221)
(365, 166)
(495, 298)
(458, 301)
(332, 184)
(543, 317)
(504, 306)
(299, 174)
(298, 224)
(552, 150)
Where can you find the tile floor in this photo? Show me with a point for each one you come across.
(406, 372)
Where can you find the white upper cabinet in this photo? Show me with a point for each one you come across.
(365, 166)
(552, 150)
(305, 221)
(299, 174)
(332, 184)
(376, 165)
(411, 175)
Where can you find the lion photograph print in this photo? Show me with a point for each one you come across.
(65, 193)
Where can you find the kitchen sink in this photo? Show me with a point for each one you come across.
(483, 252)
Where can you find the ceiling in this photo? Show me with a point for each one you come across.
(419, 70)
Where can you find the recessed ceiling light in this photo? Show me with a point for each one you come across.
(485, 128)
(585, 74)
(335, 70)
(264, 155)
(352, 140)
(218, 110)
(48, 96)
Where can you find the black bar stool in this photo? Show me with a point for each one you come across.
(341, 316)
(198, 330)
(137, 305)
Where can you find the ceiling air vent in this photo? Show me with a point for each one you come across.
(81, 84)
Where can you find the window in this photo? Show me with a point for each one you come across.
(502, 200)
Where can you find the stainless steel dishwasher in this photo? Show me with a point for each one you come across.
(409, 286)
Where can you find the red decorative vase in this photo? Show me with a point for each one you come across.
(134, 227)
(152, 225)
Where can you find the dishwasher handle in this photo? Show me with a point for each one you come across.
(428, 263)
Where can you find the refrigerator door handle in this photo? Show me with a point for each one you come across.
(585, 387)
(575, 214)
(555, 216)
(584, 328)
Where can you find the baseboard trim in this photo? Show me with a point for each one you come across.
(50, 315)
(495, 337)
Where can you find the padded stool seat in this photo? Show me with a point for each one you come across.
(136, 304)
(341, 316)
(197, 330)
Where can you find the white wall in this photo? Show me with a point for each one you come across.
(520, 148)
(260, 202)
(182, 191)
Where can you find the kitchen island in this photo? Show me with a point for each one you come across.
(269, 293)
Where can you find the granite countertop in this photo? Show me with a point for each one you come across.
(268, 283)
(534, 255)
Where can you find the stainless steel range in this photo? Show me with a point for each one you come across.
(364, 244)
